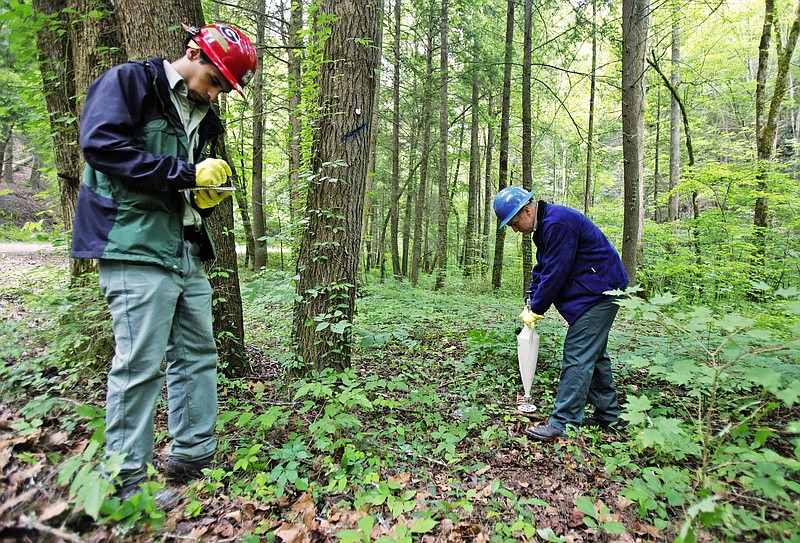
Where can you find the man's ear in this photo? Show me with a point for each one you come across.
(193, 53)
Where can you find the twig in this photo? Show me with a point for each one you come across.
(428, 458)
(40, 527)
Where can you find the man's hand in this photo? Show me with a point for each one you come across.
(212, 172)
(529, 317)
(206, 199)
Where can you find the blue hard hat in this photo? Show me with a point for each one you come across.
(509, 201)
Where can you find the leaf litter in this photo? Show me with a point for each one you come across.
(35, 508)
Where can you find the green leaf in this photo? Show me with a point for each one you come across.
(636, 409)
(423, 525)
(351, 536)
(91, 496)
(586, 507)
(614, 527)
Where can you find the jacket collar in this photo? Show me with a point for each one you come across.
(210, 127)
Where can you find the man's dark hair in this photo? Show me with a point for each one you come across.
(186, 45)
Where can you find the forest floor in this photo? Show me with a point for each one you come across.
(34, 508)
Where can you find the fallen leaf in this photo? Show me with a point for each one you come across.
(225, 529)
(234, 515)
(623, 502)
(483, 470)
(485, 492)
(576, 518)
(646, 529)
(306, 508)
(292, 533)
(401, 479)
(27, 474)
(53, 510)
(57, 438)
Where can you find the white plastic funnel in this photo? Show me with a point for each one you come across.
(528, 354)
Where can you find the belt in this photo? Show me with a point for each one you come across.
(190, 233)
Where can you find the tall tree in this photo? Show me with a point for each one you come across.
(588, 185)
(395, 193)
(295, 77)
(527, 147)
(767, 119)
(674, 118)
(422, 188)
(488, 186)
(505, 115)
(444, 201)
(67, 70)
(634, 47)
(327, 261)
(257, 180)
(471, 240)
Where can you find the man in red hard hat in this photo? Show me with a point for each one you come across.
(146, 133)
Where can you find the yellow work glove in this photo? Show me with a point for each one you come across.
(209, 198)
(212, 172)
(529, 317)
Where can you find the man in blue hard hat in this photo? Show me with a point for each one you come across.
(575, 266)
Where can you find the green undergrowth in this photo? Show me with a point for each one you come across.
(413, 432)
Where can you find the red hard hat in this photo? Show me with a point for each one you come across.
(229, 49)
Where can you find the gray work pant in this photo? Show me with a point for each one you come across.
(158, 313)
(586, 369)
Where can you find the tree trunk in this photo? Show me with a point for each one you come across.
(295, 42)
(242, 201)
(380, 256)
(67, 72)
(588, 186)
(527, 150)
(419, 208)
(444, 202)
(657, 160)
(328, 255)
(393, 205)
(257, 186)
(767, 119)
(634, 46)
(674, 120)
(471, 241)
(505, 114)
(223, 273)
(7, 165)
(488, 187)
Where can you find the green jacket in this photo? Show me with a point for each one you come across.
(129, 204)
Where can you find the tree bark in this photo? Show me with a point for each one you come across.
(505, 114)
(419, 208)
(527, 148)
(674, 120)
(588, 186)
(488, 187)
(393, 205)
(257, 180)
(444, 201)
(67, 72)
(471, 241)
(767, 119)
(295, 42)
(328, 255)
(634, 47)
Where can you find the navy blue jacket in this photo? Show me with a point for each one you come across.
(575, 263)
(136, 150)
